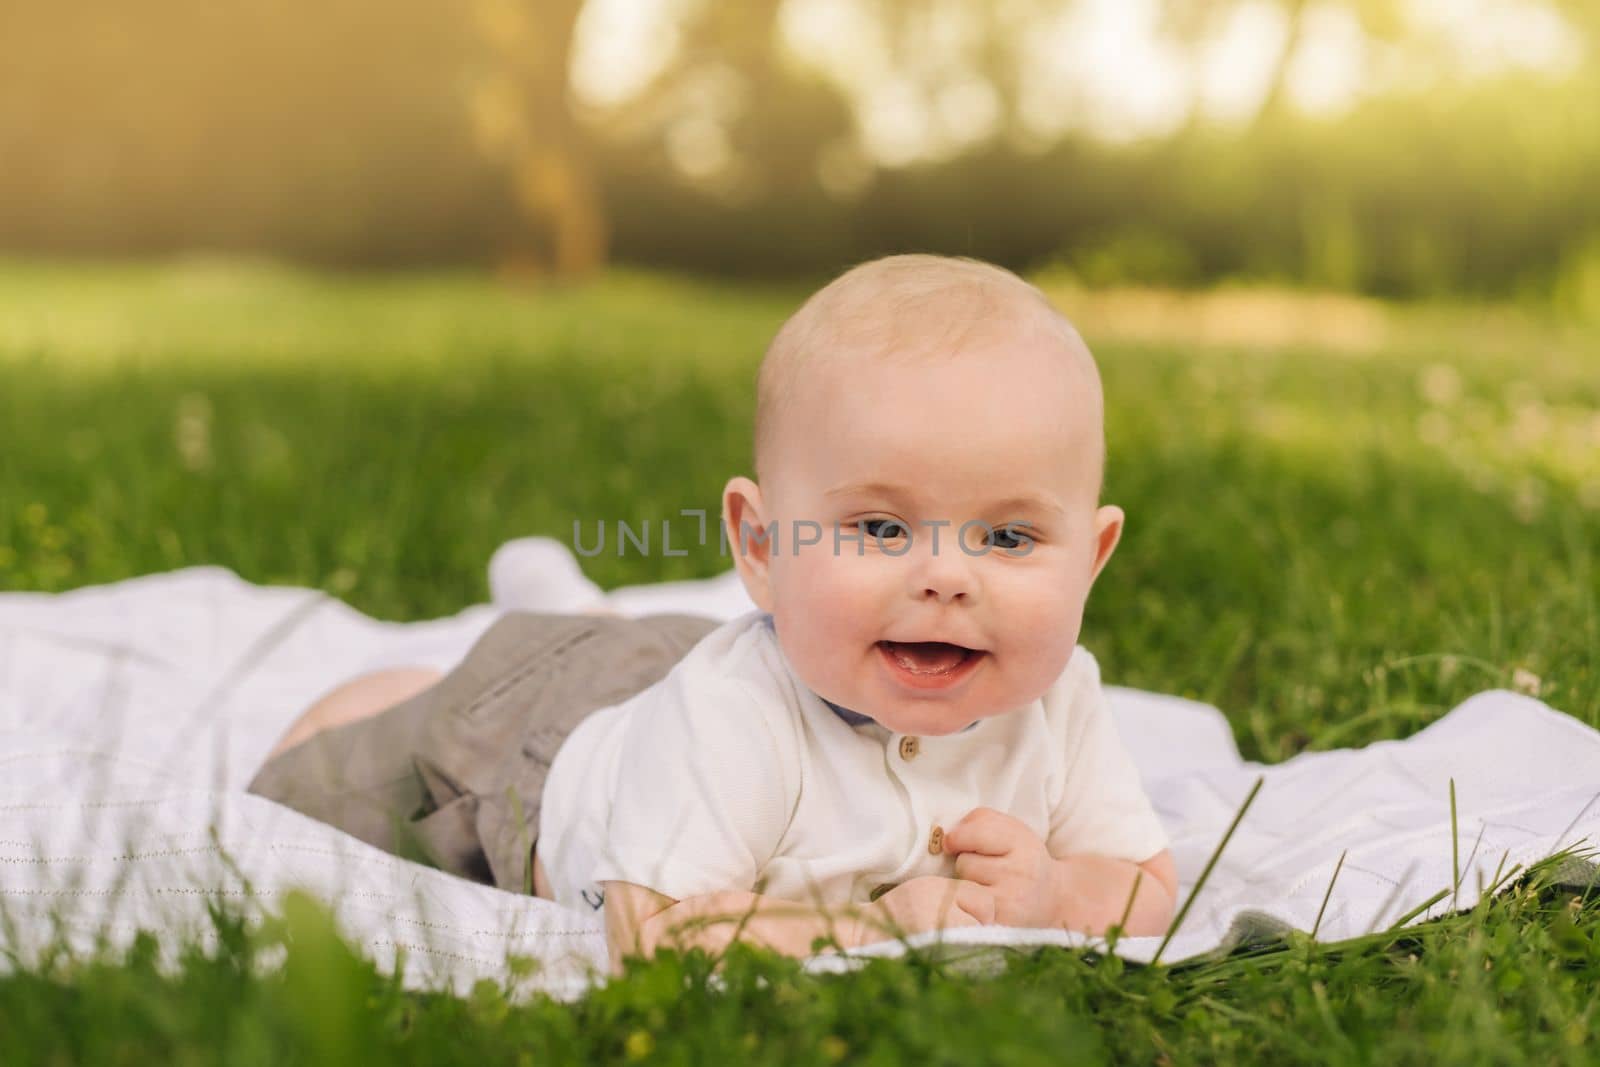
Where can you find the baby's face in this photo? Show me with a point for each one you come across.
(927, 633)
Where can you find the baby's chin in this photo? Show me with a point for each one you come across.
(930, 721)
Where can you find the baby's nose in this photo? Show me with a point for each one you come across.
(945, 579)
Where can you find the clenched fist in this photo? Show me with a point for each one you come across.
(998, 852)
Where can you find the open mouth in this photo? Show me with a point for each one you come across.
(928, 664)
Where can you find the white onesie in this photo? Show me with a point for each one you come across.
(730, 774)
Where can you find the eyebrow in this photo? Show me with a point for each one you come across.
(1020, 502)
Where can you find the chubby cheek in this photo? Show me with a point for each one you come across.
(826, 610)
(1041, 623)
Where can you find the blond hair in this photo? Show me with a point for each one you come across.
(905, 306)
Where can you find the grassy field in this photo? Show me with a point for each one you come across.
(1343, 519)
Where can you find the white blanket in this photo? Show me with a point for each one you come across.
(132, 715)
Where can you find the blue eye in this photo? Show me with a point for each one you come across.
(1009, 538)
(883, 529)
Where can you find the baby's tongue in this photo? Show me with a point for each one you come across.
(926, 657)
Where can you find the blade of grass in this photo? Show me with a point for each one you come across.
(1455, 848)
(1230, 661)
(1205, 873)
(1470, 856)
(1581, 813)
(1337, 867)
(1484, 894)
(1418, 910)
(1115, 933)
(1377, 916)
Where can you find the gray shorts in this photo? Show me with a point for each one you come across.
(453, 776)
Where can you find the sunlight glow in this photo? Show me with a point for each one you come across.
(1100, 66)
(1487, 36)
(1329, 67)
(620, 46)
(1236, 67)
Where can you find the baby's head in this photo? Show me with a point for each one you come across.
(906, 414)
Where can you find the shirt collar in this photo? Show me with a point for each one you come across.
(851, 718)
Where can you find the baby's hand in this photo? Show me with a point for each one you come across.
(932, 902)
(1000, 853)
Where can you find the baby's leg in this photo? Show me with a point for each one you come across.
(357, 699)
(452, 766)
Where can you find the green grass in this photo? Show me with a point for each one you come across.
(1333, 541)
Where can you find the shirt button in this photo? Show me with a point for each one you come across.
(936, 840)
(909, 747)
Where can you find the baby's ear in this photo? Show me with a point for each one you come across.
(749, 537)
(1108, 522)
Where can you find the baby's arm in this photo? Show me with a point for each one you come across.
(1102, 814)
(1094, 891)
(640, 920)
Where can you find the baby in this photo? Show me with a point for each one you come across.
(905, 736)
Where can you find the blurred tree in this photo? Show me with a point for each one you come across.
(329, 130)
(398, 132)
(992, 46)
(1193, 24)
(522, 118)
(733, 112)
(1273, 101)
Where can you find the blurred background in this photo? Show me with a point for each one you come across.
(1399, 148)
(347, 293)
